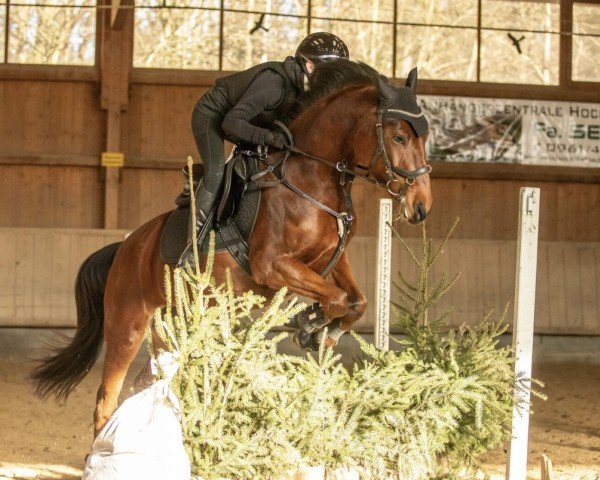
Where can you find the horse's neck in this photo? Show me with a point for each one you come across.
(323, 131)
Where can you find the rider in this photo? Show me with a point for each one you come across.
(242, 108)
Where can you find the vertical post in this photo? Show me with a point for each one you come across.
(529, 213)
(116, 57)
(384, 262)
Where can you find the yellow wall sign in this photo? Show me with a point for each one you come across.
(113, 159)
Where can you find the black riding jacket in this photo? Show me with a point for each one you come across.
(248, 102)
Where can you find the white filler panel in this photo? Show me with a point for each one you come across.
(527, 245)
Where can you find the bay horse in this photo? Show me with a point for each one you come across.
(354, 124)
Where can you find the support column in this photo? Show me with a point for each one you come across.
(116, 56)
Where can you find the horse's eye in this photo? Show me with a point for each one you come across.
(401, 139)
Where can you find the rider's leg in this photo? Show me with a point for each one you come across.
(209, 140)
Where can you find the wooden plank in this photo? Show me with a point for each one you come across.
(54, 73)
(542, 304)
(428, 87)
(41, 196)
(506, 171)
(556, 284)
(157, 124)
(572, 290)
(145, 194)
(8, 271)
(49, 118)
(61, 266)
(42, 264)
(38, 268)
(588, 295)
(118, 13)
(24, 277)
(116, 52)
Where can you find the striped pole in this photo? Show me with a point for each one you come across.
(529, 214)
(384, 263)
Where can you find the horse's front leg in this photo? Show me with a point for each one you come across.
(343, 277)
(286, 271)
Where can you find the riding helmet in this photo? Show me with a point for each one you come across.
(322, 47)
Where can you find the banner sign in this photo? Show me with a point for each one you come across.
(531, 132)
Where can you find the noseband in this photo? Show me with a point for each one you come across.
(408, 175)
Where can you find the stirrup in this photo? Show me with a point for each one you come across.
(187, 256)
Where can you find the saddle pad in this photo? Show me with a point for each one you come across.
(230, 233)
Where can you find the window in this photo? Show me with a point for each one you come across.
(586, 42)
(368, 29)
(438, 36)
(177, 34)
(502, 41)
(250, 38)
(2, 30)
(519, 41)
(51, 32)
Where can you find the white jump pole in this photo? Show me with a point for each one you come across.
(384, 264)
(529, 214)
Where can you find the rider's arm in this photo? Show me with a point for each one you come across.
(265, 93)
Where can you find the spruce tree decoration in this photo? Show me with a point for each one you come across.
(229, 377)
(251, 413)
(445, 394)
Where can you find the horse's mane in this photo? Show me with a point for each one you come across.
(331, 77)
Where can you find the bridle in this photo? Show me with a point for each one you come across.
(347, 176)
(409, 175)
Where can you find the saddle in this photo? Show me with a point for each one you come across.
(235, 215)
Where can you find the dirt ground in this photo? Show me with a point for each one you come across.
(46, 440)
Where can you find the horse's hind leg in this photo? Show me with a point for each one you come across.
(124, 329)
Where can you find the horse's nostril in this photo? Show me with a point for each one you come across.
(421, 212)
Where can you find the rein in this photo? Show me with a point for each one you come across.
(409, 175)
(344, 219)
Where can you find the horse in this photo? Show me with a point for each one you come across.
(353, 124)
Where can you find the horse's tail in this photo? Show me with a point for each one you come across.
(61, 371)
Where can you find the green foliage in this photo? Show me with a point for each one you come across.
(249, 412)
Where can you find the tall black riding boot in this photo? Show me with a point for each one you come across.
(205, 203)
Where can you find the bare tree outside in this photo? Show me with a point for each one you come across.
(176, 37)
(446, 52)
(519, 38)
(2, 29)
(586, 49)
(251, 38)
(52, 32)
(438, 36)
(533, 59)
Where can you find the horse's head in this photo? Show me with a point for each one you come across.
(356, 114)
(400, 160)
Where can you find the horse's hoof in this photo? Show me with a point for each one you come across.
(306, 341)
(293, 323)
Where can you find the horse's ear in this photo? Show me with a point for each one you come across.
(411, 80)
(385, 90)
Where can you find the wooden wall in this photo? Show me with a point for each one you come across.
(53, 130)
(38, 268)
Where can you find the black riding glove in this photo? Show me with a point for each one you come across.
(276, 139)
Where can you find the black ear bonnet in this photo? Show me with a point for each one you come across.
(401, 102)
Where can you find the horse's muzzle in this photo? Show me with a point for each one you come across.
(420, 213)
